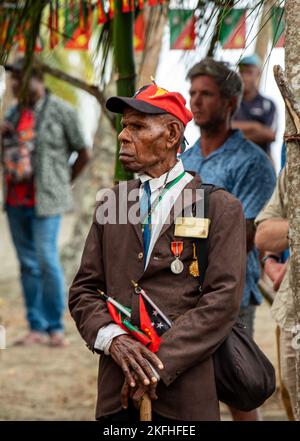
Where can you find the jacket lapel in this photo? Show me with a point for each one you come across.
(194, 184)
(134, 186)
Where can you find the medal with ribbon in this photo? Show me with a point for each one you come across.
(177, 265)
(194, 267)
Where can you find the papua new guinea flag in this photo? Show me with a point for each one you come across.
(121, 320)
(233, 29)
(78, 25)
(278, 27)
(139, 33)
(182, 29)
(101, 15)
(152, 322)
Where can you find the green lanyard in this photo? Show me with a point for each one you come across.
(160, 196)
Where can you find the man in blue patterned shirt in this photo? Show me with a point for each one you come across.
(223, 157)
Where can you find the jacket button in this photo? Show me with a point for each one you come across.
(140, 256)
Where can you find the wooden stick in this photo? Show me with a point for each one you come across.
(146, 409)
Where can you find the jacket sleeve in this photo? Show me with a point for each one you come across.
(197, 334)
(87, 308)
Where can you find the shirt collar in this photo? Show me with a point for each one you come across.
(231, 143)
(39, 103)
(156, 183)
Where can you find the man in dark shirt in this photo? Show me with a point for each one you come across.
(256, 116)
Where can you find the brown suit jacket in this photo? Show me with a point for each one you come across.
(113, 256)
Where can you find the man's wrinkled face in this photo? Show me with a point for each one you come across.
(250, 75)
(143, 140)
(209, 108)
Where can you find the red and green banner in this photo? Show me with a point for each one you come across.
(21, 38)
(233, 29)
(127, 5)
(101, 15)
(139, 33)
(4, 31)
(53, 24)
(141, 4)
(278, 27)
(78, 26)
(182, 29)
(111, 12)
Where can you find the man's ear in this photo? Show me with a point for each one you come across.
(232, 103)
(174, 133)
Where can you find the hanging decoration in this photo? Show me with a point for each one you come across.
(78, 26)
(139, 33)
(53, 24)
(74, 25)
(21, 38)
(111, 12)
(182, 29)
(128, 5)
(101, 18)
(233, 29)
(278, 27)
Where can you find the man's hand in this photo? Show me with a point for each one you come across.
(275, 271)
(280, 276)
(132, 356)
(137, 393)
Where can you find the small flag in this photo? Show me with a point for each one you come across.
(53, 25)
(141, 4)
(152, 322)
(21, 39)
(78, 28)
(233, 29)
(121, 316)
(139, 33)
(127, 5)
(4, 31)
(182, 29)
(102, 18)
(278, 27)
(111, 12)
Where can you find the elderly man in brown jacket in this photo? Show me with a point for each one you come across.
(179, 378)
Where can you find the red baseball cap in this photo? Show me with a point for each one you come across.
(153, 100)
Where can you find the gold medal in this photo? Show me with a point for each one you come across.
(194, 267)
(177, 248)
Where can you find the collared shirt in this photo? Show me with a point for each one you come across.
(161, 212)
(283, 306)
(58, 135)
(158, 219)
(260, 109)
(244, 170)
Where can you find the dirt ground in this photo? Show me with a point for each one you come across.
(42, 383)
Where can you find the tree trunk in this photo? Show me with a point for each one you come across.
(147, 61)
(264, 30)
(97, 175)
(292, 53)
